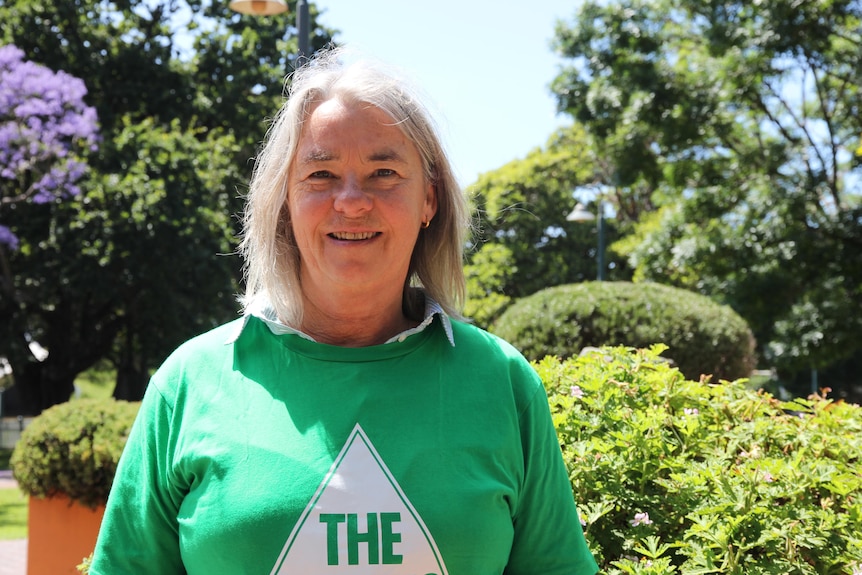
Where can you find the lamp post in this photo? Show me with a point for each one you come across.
(582, 214)
(271, 7)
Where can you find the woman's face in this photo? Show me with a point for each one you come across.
(357, 196)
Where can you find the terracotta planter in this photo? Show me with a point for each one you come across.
(60, 533)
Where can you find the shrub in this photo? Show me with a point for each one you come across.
(678, 476)
(702, 336)
(73, 449)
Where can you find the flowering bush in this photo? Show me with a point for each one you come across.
(43, 122)
(680, 476)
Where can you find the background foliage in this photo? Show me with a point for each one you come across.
(680, 476)
(723, 136)
(522, 241)
(734, 126)
(703, 338)
(142, 258)
(73, 449)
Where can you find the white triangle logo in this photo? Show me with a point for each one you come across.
(359, 522)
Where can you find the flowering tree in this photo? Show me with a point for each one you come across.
(43, 123)
(131, 267)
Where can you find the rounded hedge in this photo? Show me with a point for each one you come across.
(73, 449)
(702, 336)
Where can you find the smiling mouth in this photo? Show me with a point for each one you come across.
(350, 236)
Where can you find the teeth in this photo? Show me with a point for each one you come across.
(353, 236)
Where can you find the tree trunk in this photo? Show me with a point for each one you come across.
(33, 391)
(131, 383)
(132, 372)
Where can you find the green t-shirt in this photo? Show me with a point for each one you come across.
(275, 454)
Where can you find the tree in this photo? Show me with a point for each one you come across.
(522, 242)
(735, 123)
(44, 124)
(142, 258)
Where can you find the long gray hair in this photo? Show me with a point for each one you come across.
(268, 245)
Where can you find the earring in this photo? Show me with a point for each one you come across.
(425, 224)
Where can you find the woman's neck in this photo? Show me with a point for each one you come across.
(351, 323)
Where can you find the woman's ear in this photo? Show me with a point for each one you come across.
(430, 203)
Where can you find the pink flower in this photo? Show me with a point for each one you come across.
(576, 391)
(641, 519)
(691, 411)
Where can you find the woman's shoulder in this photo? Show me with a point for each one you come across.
(204, 349)
(492, 350)
(468, 335)
(496, 363)
(217, 338)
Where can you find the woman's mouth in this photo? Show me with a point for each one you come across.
(353, 236)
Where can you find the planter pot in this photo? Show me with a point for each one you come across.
(60, 534)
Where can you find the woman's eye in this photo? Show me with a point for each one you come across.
(385, 172)
(321, 174)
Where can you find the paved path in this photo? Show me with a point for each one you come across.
(13, 552)
(6, 479)
(13, 557)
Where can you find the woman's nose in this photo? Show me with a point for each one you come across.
(351, 198)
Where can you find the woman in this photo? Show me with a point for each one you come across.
(350, 422)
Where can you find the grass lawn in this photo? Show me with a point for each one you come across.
(13, 506)
(13, 514)
(97, 382)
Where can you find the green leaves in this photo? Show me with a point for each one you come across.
(522, 241)
(678, 476)
(141, 259)
(73, 449)
(703, 337)
(739, 122)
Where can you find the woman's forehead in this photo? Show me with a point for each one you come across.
(334, 128)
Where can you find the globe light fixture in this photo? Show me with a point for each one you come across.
(580, 214)
(258, 7)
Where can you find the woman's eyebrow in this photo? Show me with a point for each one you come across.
(321, 155)
(317, 155)
(386, 155)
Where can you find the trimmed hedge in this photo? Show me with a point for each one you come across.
(702, 336)
(73, 449)
(679, 476)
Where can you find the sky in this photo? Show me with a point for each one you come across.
(486, 67)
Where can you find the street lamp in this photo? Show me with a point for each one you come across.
(582, 214)
(271, 7)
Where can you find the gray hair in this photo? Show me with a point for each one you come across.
(268, 245)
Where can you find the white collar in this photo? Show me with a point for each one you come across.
(262, 309)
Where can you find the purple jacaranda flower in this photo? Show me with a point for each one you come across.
(42, 197)
(641, 519)
(7, 238)
(43, 122)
